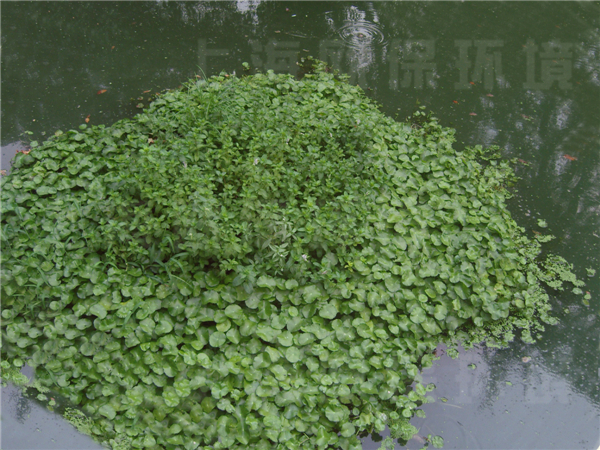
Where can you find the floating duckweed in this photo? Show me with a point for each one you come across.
(259, 262)
(436, 441)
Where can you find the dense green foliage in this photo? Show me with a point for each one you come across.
(258, 262)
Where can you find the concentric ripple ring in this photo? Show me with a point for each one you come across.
(361, 34)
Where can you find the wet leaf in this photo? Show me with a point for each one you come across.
(107, 411)
(293, 355)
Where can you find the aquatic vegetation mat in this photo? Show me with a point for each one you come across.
(258, 262)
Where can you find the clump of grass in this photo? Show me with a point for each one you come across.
(259, 262)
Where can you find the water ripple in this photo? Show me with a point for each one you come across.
(361, 34)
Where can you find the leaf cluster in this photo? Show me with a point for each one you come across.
(258, 262)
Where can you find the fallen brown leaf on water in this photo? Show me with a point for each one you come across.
(113, 47)
(472, 114)
(570, 158)
(454, 101)
(471, 82)
(101, 91)
(537, 233)
(522, 161)
(25, 152)
(87, 119)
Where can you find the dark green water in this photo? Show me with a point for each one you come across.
(524, 76)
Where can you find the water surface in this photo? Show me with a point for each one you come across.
(524, 76)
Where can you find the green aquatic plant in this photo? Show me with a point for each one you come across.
(258, 262)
